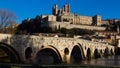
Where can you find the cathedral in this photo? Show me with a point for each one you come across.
(64, 15)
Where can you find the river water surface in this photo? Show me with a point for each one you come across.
(112, 61)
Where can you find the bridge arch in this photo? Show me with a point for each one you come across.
(76, 55)
(101, 51)
(106, 52)
(88, 54)
(111, 52)
(96, 54)
(83, 54)
(48, 55)
(28, 52)
(8, 54)
(66, 51)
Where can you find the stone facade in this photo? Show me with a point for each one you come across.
(64, 15)
(62, 50)
(67, 25)
(51, 18)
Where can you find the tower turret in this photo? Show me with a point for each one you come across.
(55, 9)
(66, 8)
(97, 20)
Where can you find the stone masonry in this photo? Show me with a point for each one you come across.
(63, 47)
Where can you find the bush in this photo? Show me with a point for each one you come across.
(76, 31)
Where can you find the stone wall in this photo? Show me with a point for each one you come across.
(69, 26)
(37, 43)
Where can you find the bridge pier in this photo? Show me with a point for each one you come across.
(117, 50)
(67, 60)
(58, 49)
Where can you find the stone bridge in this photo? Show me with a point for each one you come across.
(50, 50)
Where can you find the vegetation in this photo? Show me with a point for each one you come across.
(113, 26)
(76, 31)
(35, 27)
(7, 19)
(29, 26)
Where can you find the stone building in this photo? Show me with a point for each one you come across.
(64, 15)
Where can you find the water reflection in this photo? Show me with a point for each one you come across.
(47, 56)
(104, 61)
(112, 61)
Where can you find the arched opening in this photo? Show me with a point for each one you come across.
(76, 55)
(101, 51)
(47, 56)
(8, 54)
(88, 54)
(96, 54)
(28, 53)
(111, 51)
(66, 51)
(85, 47)
(106, 52)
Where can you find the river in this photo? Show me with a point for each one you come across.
(111, 61)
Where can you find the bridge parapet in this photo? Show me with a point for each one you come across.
(26, 39)
(62, 46)
(73, 41)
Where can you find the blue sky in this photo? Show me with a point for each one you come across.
(30, 8)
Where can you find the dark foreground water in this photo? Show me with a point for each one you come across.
(111, 61)
(105, 62)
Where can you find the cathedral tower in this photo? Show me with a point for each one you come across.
(66, 8)
(55, 9)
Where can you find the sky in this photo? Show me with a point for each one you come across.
(24, 9)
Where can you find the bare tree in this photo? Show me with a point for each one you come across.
(7, 18)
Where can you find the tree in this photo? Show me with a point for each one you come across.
(7, 19)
